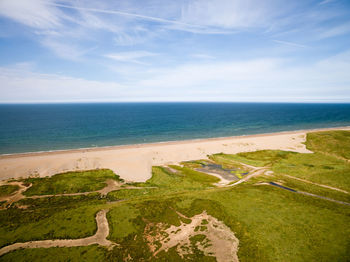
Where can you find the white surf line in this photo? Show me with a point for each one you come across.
(313, 183)
(99, 238)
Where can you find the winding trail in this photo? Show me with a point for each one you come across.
(99, 238)
(16, 196)
(256, 172)
(304, 193)
(321, 185)
(112, 185)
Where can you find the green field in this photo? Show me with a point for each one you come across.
(7, 190)
(270, 223)
(70, 182)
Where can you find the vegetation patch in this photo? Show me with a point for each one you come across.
(7, 190)
(75, 254)
(336, 143)
(70, 182)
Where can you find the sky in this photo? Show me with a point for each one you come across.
(174, 50)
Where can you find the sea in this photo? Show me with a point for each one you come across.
(49, 127)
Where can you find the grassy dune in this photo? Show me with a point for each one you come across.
(336, 143)
(70, 182)
(271, 224)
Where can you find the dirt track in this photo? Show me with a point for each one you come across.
(99, 238)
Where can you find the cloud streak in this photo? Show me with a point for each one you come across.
(131, 57)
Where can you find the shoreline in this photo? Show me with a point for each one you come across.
(134, 162)
(170, 142)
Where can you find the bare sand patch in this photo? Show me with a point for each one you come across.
(217, 239)
(16, 196)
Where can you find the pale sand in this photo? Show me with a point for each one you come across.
(134, 162)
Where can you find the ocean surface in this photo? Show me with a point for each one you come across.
(46, 127)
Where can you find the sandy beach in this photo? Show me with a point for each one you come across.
(134, 162)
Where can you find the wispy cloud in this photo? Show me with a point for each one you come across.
(22, 85)
(324, 2)
(131, 57)
(177, 50)
(289, 43)
(203, 56)
(34, 13)
(333, 31)
(266, 79)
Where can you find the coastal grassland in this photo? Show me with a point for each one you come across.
(7, 190)
(55, 254)
(195, 163)
(336, 143)
(316, 167)
(310, 188)
(180, 178)
(70, 182)
(165, 181)
(271, 224)
(50, 218)
(134, 193)
(261, 158)
(278, 225)
(227, 161)
(140, 221)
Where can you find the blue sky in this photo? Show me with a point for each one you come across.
(183, 50)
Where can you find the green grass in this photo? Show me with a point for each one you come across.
(184, 179)
(120, 222)
(70, 182)
(74, 254)
(40, 224)
(314, 189)
(133, 193)
(335, 143)
(259, 158)
(196, 175)
(318, 168)
(194, 163)
(271, 224)
(283, 226)
(228, 161)
(7, 190)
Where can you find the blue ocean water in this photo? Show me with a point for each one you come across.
(44, 127)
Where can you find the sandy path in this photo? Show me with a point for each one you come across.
(17, 195)
(99, 238)
(279, 185)
(321, 185)
(112, 185)
(134, 162)
(322, 197)
(257, 172)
